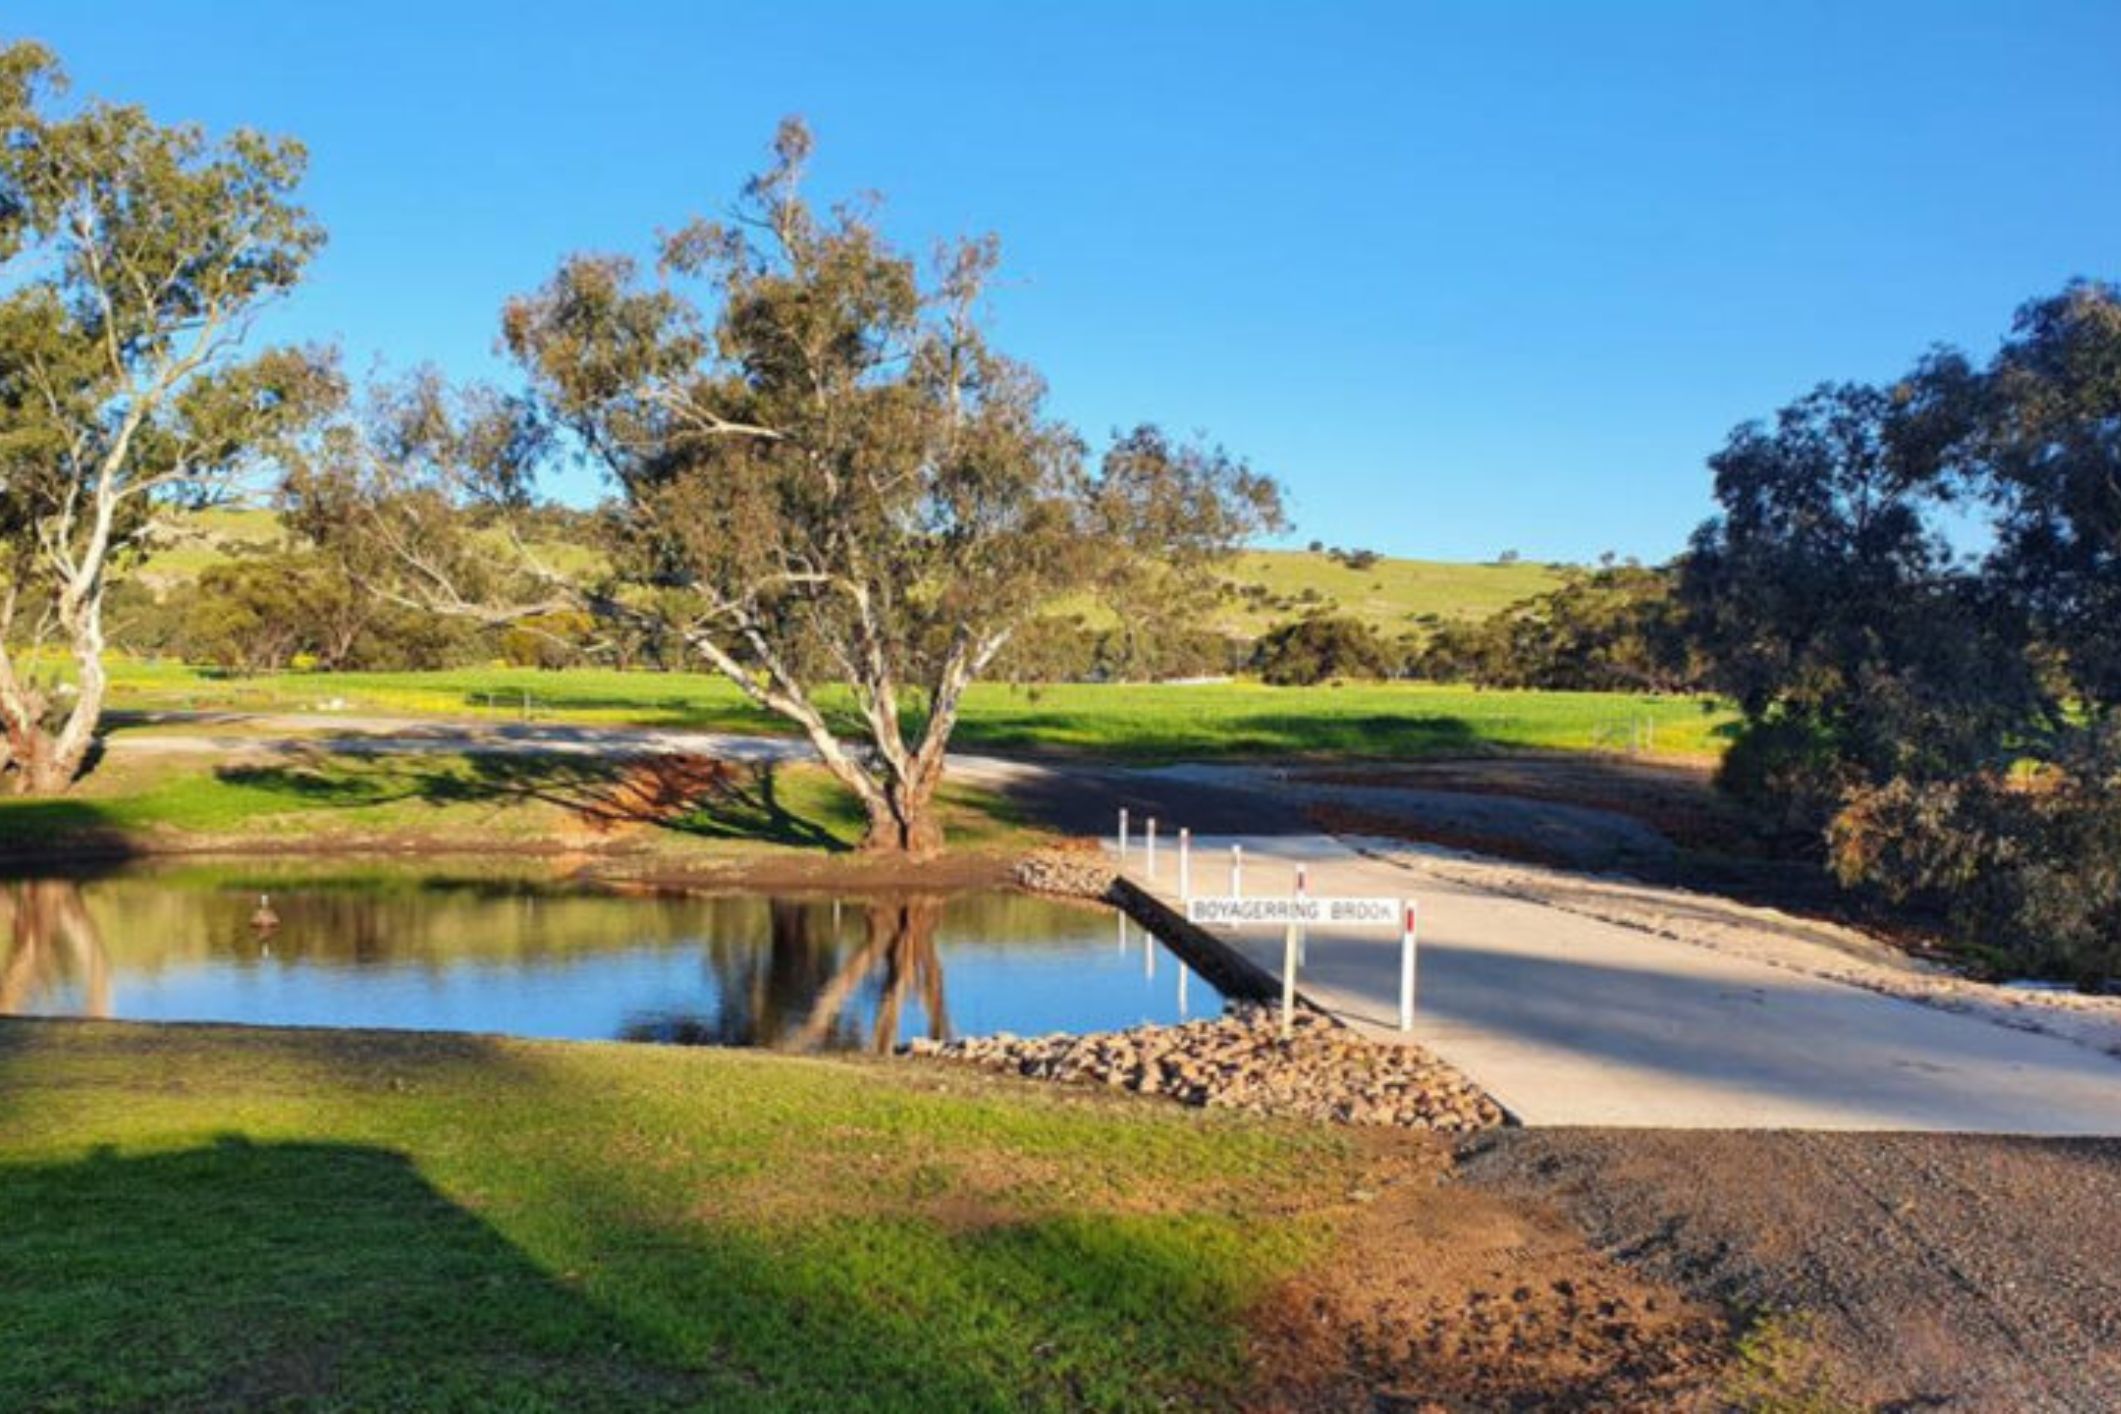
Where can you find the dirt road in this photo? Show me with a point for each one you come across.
(1928, 1271)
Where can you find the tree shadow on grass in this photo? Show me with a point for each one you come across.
(240, 1274)
(30, 827)
(691, 795)
(245, 1275)
(1382, 734)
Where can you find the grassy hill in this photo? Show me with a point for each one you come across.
(1269, 586)
(192, 541)
(1392, 595)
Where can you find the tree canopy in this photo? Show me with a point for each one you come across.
(136, 255)
(822, 471)
(1912, 592)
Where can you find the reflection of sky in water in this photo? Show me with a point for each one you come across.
(729, 970)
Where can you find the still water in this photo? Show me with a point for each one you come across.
(470, 952)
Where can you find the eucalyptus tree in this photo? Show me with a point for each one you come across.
(136, 257)
(828, 484)
(1913, 592)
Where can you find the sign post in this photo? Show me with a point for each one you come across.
(1300, 912)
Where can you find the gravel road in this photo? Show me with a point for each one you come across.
(1932, 1271)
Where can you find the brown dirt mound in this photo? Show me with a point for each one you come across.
(1450, 1299)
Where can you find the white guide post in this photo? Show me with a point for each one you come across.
(1303, 935)
(1123, 836)
(1288, 981)
(1185, 863)
(1406, 966)
(1149, 845)
(1237, 871)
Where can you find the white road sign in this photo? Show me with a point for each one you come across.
(1310, 912)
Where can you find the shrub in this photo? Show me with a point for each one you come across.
(2022, 873)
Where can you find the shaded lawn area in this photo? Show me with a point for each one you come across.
(214, 1217)
(1133, 721)
(318, 796)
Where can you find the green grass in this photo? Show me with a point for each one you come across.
(1124, 720)
(322, 799)
(203, 1217)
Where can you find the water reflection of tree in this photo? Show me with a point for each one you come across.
(802, 987)
(899, 952)
(51, 940)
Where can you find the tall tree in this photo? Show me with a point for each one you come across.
(136, 257)
(824, 474)
(1830, 604)
(2046, 443)
(1947, 715)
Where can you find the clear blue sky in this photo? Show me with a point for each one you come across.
(1466, 276)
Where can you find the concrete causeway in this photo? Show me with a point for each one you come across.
(1570, 1020)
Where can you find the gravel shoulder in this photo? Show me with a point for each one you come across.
(1924, 1271)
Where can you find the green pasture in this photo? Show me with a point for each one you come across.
(1132, 721)
(323, 799)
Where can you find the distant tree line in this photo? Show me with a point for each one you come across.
(301, 606)
(1612, 629)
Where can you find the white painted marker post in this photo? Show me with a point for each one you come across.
(1288, 981)
(1123, 835)
(1237, 871)
(1185, 863)
(1303, 935)
(1149, 845)
(1406, 967)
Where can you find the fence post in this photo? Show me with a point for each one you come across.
(1407, 939)
(1149, 846)
(1237, 871)
(1185, 865)
(1123, 836)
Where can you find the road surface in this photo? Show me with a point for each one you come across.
(1572, 1020)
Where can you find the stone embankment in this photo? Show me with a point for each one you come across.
(1324, 1071)
(1078, 874)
